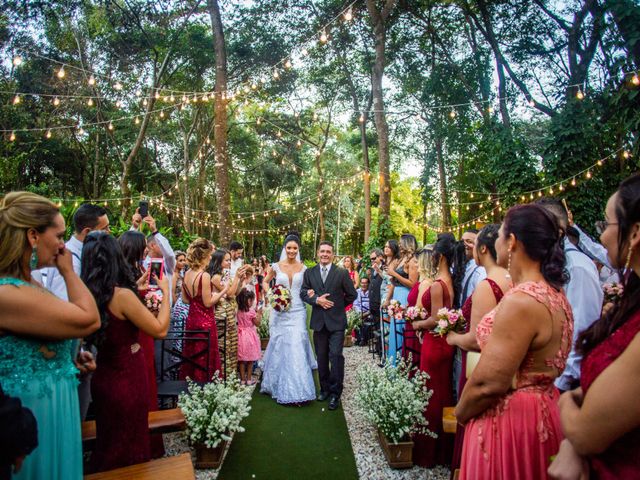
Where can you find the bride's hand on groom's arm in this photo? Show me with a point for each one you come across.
(311, 293)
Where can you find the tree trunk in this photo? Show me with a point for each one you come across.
(96, 164)
(367, 180)
(444, 197)
(502, 93)
(378, 18)
(320, 199)
(220, 126)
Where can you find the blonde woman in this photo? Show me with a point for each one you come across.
(36, 328)
(198, 295)
(411, 346)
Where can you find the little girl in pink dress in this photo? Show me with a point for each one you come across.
(248, 341)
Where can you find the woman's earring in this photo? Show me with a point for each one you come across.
(33, 261)
(628, 262)
(508, 275)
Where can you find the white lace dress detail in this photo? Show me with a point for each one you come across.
(289, 360)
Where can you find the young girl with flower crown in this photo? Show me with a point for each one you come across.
(248, 341)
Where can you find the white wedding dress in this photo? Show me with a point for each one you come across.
(289, 360)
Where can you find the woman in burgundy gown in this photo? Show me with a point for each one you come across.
(601, 419)
(120, 385)
(436, 357)
(485, 297)
(196, 292)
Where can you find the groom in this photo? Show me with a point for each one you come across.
(332, 290)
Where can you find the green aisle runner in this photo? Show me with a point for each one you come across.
(290, 443)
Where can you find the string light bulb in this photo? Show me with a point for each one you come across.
(588, 175)
(635, 80)
(61, 73)
(288, 64)
(361, 119)
(12, 137)
(531, 102)
(110, 126)
(137, 121)
(56, 101)
(579, 94)
(304, 52)
(573, 182)
(16, 100)
(276, 74)
(90, 102)
(17, 61)
(452, 114)
(92, 81)
(348, 15)
(324, 37)
(117, 86)
(626, 154)
(48, 135)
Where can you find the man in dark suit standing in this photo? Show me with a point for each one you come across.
(328, 289)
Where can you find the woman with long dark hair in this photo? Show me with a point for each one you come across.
(226, 322)
(509, 404)
(601, 419)
(486, 296)
(436, 356)
(120, 385)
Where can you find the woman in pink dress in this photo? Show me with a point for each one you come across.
(436, 356)
(485, 297)
(197, 293)
(601, 419)
(509, 404)
(249, 350)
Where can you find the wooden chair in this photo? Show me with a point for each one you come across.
(162, 421)
(178, 467)
(449, 423)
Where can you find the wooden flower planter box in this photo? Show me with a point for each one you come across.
(210, 457)
(264, 342)
(398, 455)
(348, 341)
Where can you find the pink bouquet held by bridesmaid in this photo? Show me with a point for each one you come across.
(449, 320)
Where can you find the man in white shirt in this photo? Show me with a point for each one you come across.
(583, 292)
(473, 273)
(88, 218)
(235, 250)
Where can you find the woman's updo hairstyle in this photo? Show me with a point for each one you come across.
(453, 251)
(198, 252)
(292, 236)
(627, 215)
(537, 229)
(20, 212)
(487, 238)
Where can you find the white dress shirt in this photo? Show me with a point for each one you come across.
(585, 297)
(473, 275)
(235, 265)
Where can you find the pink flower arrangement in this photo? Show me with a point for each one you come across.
(612, 291)
(153, 300)
(449, 320)
(279, 298)
(413, 314)
(395, 310)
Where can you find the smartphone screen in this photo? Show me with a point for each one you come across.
(143, 208)
(156, 269)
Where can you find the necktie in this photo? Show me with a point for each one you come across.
(324, 274)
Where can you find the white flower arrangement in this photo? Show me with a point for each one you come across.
(354, 320)
(393, 400)
(263, 328)
(213, 412)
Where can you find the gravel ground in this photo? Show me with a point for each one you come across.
(370, 459)
(369, 456)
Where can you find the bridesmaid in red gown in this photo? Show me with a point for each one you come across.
(120, 385)
(485, 297)
(509, 404)
(196, 292)
(436, 356)
(601, 419)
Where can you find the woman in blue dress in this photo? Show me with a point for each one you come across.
(37, 331)
(404, 275)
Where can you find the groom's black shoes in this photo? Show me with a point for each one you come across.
(334, 402)
(322, 396)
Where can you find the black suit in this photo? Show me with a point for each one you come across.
(329, 325)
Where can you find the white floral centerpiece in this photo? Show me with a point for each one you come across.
(354, 320)
(394, 399)
(213, 412)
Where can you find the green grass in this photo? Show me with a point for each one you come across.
(281, 443)
(290, 443)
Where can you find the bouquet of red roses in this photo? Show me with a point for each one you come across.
(279, 298)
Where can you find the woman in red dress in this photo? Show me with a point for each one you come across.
(196, 292)
(485, 297)
(119, 386)
(509, 404)
(436, 356)
(601, 419)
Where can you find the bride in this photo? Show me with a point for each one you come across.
(289, 360)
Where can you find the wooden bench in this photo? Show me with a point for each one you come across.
(161, 421)
(167, 468)
(449, 423)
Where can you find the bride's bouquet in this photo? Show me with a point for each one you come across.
(449, 320)
(279, 298)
